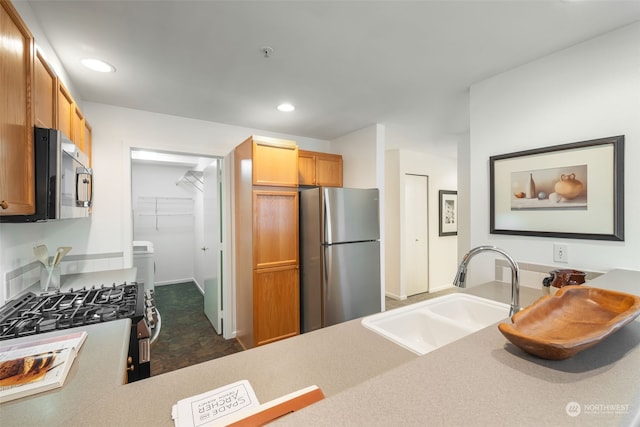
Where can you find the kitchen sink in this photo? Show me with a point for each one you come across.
(425, 326)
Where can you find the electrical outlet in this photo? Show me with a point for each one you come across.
(560, 253)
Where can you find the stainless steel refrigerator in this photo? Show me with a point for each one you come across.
(340, 255)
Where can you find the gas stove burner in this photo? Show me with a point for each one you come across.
(46, 325)
(106, 313)
(72, 300)
(111, 295)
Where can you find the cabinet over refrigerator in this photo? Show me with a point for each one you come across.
(340, 255)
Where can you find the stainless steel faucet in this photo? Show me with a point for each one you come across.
(460, 280)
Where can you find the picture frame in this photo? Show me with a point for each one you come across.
(573, 191)
(448, 216)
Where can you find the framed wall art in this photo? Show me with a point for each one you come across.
(448, 213)
(572, 190)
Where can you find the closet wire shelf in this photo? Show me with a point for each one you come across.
(163, 206)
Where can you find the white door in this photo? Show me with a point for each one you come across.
(211, 251)
(416, 233)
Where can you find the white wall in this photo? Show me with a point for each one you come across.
(585, 92)
(392, 225)
(362, 157)
(117, 130)
(464, 211)
(442, 250)
(172, 230)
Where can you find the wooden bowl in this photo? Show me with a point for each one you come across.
(575, 318)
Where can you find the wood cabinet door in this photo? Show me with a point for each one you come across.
(328, 170)
(65, 110)
(275, 228)
(276, 302)
(306, 168)
(274, 163)
(77, 129)
(17, 196)
(44, 93)
(88, 140)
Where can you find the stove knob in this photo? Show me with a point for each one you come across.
(152, 318)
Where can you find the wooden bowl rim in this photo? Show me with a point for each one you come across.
(573, 345)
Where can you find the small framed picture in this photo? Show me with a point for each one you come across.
(448, 213)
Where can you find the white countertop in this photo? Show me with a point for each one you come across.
(97, 372)
(479, 380)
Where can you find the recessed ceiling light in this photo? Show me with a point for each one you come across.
(286, 107)
(98, 65)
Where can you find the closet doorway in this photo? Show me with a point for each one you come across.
(176, 202)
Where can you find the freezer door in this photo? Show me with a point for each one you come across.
(350, 215)
(351, 282)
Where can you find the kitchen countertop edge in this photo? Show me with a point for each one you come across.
(370, 381)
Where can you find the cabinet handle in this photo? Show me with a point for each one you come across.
(4, 204)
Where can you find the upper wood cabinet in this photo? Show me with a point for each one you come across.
(306, 168)
(65, 110)
(17, 195)
(44, 93)
(71, 120)
(77, 127)
(275, 161)
(88, 140)
(319, 169)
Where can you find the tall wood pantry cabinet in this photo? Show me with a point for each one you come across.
(266, 227)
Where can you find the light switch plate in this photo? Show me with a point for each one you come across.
(560, 253)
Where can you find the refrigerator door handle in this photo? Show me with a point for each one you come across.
(327, 273)
(327, 216)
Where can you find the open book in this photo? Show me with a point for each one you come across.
(36, 366)
(236, 405)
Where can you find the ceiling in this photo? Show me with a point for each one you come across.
(344, 64)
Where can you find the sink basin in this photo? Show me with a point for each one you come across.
(428, 325)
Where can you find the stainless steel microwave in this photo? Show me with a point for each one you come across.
(63, 180)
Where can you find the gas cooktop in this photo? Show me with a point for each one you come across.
(32, 314)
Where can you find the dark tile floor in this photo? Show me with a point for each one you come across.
(186, 337)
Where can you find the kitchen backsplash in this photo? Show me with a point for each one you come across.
(531, 275)
(21, 278)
